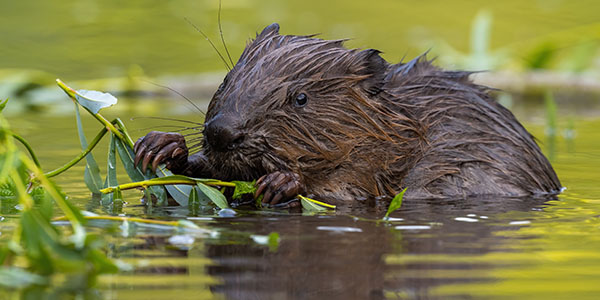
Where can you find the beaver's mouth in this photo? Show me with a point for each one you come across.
(238, 164)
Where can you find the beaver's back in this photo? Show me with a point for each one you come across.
(472, 145)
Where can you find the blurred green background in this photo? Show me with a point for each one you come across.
(545, 54)
(90, 39)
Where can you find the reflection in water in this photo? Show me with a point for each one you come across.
(461, 249)
(551, 127)
(360, 259)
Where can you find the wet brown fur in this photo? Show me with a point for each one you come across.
(369, 128)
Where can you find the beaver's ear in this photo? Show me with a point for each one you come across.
(372, 65)
(272, 29)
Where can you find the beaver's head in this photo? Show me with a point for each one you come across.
(296, 103)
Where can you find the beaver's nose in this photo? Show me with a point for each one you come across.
(221, 133)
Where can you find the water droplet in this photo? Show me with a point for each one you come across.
(339, 229)
(413, 227)
(464, 219)
(520, 222)
(227, 213)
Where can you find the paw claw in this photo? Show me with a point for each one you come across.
(138, 155)
(146, 160)
(157, 160)
(278, 186)
(161, 147)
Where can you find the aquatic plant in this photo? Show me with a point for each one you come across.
(38, 249)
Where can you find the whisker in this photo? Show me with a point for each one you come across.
(169, 119)
(194, 139)
(194, 133)
(211, 43)
(197, 145)
(178, 93)
(222, 38)
(179, 128)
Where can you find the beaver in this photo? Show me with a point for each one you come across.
(307, 115)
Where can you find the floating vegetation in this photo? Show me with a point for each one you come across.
(395, 204)
(38, 249)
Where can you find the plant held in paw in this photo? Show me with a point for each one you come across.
(157, 180)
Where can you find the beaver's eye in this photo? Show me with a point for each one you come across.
(301, 100)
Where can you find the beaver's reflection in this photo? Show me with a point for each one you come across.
(340, 257)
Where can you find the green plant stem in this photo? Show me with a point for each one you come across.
(109, 126)
(78, 157)
(123, 129)
(129, 219)
(317, 202)
(28, 147)
(147, 183)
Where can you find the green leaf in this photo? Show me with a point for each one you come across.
(242, 188)
(102, 264)
(314, 205)
(127, 158)
(44, 200)
(11, 277)
(179, 192)
(194, 200)
(91, 176)
(135, 173)
(273, 241)
(94, 101)
(213, 194)
(70, 209)
(7, 189)
(111, 168)
(187, 224)
(3, 104)
(111, 171)
(37, 234)
(5, 252)
(311, 206)
(395, 204)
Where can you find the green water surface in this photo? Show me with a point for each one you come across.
(493, 249)
(498, 248)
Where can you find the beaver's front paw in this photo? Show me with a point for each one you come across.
(161, 147)
(279, 187)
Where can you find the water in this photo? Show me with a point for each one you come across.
(81, 39)
(488, 248)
